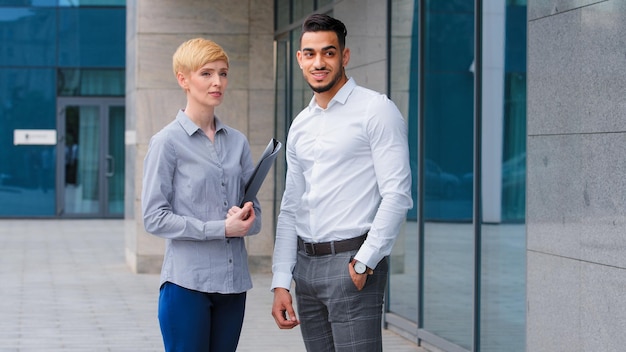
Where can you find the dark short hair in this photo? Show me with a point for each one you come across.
(321, 22)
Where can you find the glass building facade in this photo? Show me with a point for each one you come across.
(459, 280)
(62, 86)
(458, 75)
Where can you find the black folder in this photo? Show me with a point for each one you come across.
(260, 171)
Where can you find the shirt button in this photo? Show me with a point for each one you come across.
(230, 260)
(225, 203)
(227, 241)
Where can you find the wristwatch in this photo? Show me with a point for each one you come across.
(360, 268)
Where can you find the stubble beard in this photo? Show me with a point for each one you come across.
(330, 85)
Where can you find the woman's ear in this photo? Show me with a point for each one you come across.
(182, 80)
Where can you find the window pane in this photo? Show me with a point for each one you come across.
(115, 160)
(82, 160)
(503, 252)
(448, 151)
(84, 3)
(301, 93)
(92, 37)
(28, 3)
(85, 82)
(321, 3)
(28, 37)
(282, 13)
(302, 8)
(27, 172)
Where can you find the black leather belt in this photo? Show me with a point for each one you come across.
(332, 247)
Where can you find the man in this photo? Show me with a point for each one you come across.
(347, 192)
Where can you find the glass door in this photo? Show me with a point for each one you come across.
(90, 157)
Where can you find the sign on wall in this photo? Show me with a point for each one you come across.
(34, 137)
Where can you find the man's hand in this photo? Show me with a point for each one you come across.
(239, 220)
(357, 279)
(282, 310)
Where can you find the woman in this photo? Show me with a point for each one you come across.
(194, 175)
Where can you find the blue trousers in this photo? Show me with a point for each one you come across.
(193, 321)
(334, 315)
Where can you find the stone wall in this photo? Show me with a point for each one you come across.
(576, 176)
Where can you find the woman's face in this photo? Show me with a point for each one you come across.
(207, 85)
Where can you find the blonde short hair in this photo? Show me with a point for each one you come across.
(195, 53)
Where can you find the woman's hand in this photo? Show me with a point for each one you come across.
(239, 220)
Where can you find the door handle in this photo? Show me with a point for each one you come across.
(110, 166)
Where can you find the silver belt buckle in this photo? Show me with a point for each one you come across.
(309, 248)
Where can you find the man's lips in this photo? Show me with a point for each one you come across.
(319, 75)
(215, 94)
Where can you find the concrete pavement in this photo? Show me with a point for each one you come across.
(66, 287)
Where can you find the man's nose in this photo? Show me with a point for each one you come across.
(318, 62)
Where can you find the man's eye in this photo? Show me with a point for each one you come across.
(224, 74)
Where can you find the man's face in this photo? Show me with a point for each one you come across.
(322, 61)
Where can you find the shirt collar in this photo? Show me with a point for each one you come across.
(190, 127)
(341, 96)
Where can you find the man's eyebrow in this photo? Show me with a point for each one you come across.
(326, 48)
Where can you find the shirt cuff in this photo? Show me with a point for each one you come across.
(281, 280)
(368, 256)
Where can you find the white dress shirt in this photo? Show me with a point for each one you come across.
(348, 174)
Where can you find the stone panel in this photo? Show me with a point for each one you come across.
(154, 64)
(261, 118)
(193, 16)
(603, 313)
(155, 109)
(581, 50)
(544, 8)
(367, 30)
(261, 62)
(234, 109)
(553, 294)
(573, 208)
(372, 76)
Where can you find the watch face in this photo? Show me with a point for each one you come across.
(359, 268)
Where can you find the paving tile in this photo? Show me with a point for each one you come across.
(66, 287)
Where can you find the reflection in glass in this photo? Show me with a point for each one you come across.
(28, 36)
(28, 2)
(503, 294)
(281, 13)
(283, 116)
(301, 92)
(94, 37)
(503, 252)
(26, 172)
(85, 3)
(115, 160)
(91, 82)
(449, 281)
(82, 159)
(448, 255)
